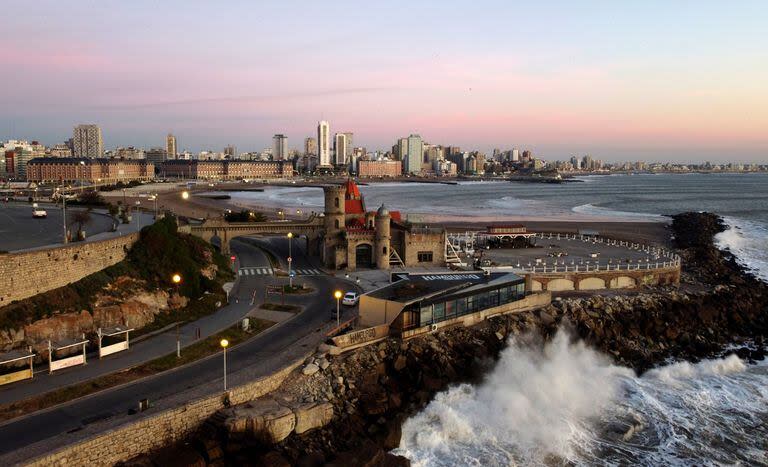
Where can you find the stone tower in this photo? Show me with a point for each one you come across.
(334, 222)
(382, 238)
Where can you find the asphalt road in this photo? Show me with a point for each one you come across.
(261, 355)
(150, 348)
(19, 230)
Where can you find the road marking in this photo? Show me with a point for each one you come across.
(255, 271)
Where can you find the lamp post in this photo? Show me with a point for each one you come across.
(176, 279)
(185, 195)
(337, 296)
(64, 213)
(138, 216)
(154, 198)
(224, 344)
(290, 260)
(82, 164)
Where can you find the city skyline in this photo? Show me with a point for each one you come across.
(652, 81)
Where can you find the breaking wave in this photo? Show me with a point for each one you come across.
(748, 241)
(566, 404)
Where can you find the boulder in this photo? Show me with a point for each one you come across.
(310, 369)
(270, 421)
(329, 349)
(311, 416)
(266, 419)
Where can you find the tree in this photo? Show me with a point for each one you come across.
(80, 219)
(245, 216)
(91, 198)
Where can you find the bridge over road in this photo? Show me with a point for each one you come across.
(225, 231)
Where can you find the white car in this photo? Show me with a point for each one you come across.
(350, 299)
(38, 212)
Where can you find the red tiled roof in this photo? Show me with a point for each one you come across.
(354, 206)
(395, 216)
(352, 190)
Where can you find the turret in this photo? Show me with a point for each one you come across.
(382, 238)
(334, 209)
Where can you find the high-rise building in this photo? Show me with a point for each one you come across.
(340, 145)
(515, 155)
(402, 149)
(349, 135)
(87, 141)
(230, 152)
(279, 147)
(171, 148)
(415, 155)
(310, 146)
(156, 156)
(324, 144)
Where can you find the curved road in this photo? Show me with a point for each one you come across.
(258, 356)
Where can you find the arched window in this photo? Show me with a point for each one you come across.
(336, 222)
(336, 203)
(384, 250)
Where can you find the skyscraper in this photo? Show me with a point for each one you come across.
(170, 146)
(279, 147)
(350, 146)
(310, 146)
(515, 155)
(324, 144)
(415, 155)
(87, 141)
(340, 145)
(230, 151)
(402, 149)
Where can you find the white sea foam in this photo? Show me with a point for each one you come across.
(565, 404)
(592, 210)
(748, 241)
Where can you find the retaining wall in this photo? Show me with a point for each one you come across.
(28, 273)
(154, 431)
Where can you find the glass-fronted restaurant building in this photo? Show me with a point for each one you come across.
(425, 299)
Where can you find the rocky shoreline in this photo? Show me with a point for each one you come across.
(374, 389)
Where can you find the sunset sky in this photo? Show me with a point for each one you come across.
(654, 80)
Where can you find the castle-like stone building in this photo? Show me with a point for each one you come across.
(357, 238)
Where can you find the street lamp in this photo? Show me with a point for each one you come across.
(337, 296)
(154, 198)
(185, 195)
(64, 213)
(138, 216)
(290, 260)
(224, 344)
(82, 164)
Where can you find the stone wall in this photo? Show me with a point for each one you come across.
(596, 280)
(29, 273)
(156, 430)
(424, 241)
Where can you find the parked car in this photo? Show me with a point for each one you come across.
(350, 299)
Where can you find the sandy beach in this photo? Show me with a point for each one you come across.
(200, 207)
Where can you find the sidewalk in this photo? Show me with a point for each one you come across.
(139, 352)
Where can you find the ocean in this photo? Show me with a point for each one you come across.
(566, 404)
(742, 200)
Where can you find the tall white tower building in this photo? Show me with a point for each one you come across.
(280, 147)
(324, 143)
(87, 142)
(341, 146)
